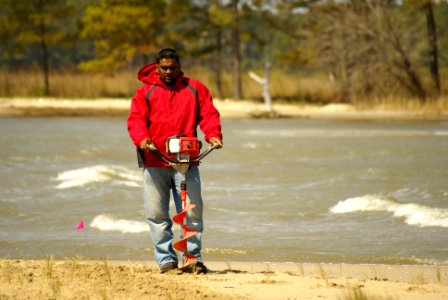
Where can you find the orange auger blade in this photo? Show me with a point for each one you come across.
(189, 259)
(180, 219)
(181, 245)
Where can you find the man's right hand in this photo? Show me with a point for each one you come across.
(147, 145)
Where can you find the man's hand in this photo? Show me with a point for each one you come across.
(147, 145)
(216, 141)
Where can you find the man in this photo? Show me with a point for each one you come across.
(170, 104)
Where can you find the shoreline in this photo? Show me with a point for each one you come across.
(229, 109)
(80, 279)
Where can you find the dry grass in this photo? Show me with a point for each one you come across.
(357, 293)
(438, 274)
(323, 274)
(285, 87)
(9, 271)
(68, 84)
(73, 279)
(301, 268)
(49, 264)
(77, 279)
(431, 105)
(22, 83)
(107, 271)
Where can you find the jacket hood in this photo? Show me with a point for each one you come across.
(148, 74)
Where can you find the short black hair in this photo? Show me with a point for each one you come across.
(168, 53)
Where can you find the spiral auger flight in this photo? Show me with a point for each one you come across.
(181, 219)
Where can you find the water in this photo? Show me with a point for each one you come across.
(280, 190)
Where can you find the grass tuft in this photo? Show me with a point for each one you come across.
(323, 274)
(372, 268)
(301, 268)
(56, 286)
(356, 293)
(49, 264)
(438, 274)
(419, 278)
(9, 271)
(107, 270)
(229, 267)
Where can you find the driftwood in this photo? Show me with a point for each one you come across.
(265, 83)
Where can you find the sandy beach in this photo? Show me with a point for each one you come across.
(78, 279)
(47, 107)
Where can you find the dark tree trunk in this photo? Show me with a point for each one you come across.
(218, 63)
(236, 51)
(45, 58)
(432, 43)
(405, 64)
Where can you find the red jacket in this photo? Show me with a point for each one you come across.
(158, 113)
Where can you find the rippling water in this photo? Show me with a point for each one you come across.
(280, 190)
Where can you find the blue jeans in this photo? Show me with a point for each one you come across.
(157, 185)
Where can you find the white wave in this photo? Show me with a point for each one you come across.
(225, 251)
(106, 223)
(337, 132)
(414, 214)
(441, 132)
(99, 173)
(249, 145)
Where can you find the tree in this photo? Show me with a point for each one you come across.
(332, 39)
(370, 47)
(36, 23)
(399, 28)
(121, 31)
(200, 30)
(220, 19)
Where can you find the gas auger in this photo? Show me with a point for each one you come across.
(186, 150)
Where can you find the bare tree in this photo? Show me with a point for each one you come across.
(398, 46)
(369, 47)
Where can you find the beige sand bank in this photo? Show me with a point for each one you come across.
(227, 108)
(77, 279)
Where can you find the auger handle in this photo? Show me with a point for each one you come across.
(168, 160)
(206, 152)
(152, 148)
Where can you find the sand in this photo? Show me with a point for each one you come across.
(78, 279)
(46, 107)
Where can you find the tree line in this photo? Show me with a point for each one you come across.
(368, 48)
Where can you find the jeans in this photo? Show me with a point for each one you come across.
(157, 185)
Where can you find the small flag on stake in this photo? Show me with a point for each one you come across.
(80, 226)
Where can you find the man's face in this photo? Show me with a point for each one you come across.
(168, 70)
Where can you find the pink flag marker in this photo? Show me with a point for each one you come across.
(80, 226)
